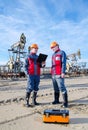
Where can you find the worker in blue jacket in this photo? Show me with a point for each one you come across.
(32, 68)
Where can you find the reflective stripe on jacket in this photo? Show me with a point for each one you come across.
(58, 62)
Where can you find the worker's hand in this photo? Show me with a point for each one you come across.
(62, 75)
(43, 64)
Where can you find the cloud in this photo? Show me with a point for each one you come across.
(42, 22)
(72, 34)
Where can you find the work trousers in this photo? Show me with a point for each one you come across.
(58, 84)
(33, 83)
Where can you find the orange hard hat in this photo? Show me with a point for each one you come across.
(34, 46)
(53, 44)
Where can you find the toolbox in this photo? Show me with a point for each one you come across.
(56, 116)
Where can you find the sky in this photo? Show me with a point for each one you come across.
(44, 21)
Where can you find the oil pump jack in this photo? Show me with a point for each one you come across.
(16, 54)
(72, 59)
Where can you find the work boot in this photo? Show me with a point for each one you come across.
(34, 99)
(56, 98)
(27, 99)
(65, 98)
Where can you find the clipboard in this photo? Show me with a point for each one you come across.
(42, 57)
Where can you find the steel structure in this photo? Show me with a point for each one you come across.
(16, 54)
(72, 62)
